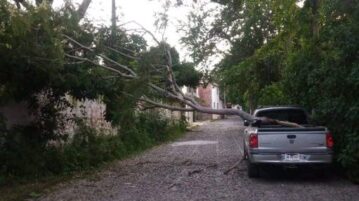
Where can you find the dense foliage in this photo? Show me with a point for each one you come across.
(184, 72)
(36, 70)
(282, 53)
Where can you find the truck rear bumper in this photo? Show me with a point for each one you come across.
(278, 158)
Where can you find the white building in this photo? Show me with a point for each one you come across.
(208, 96)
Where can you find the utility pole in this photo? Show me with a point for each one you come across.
(113, 20)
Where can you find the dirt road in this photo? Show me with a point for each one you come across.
(193, 167)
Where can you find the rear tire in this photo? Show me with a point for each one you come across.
(252, 170)
(245, 154)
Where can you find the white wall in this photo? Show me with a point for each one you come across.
(92, 111)
(217, 103)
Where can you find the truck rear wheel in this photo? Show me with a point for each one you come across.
(252, 170)
(245, 154)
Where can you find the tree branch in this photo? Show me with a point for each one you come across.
(103, 66)
(145, 30)
(283, 123)
(197, 107)
(24, 4)
(163, 91)
(17, 4)
(165, 106)
(121, 53)
(102, 56)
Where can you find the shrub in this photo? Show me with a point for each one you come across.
(90, 148)
(349, 157)
(272, 95)
(23, 156)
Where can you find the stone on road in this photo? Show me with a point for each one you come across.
(193, 167)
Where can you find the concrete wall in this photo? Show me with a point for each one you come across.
(175, 115)
(92, 111)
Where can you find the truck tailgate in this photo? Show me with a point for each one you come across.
(292, 140)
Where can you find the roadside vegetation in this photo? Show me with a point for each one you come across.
(34, 70)
(27, 167)
(289, 53)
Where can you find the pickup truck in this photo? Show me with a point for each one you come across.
(266, 144)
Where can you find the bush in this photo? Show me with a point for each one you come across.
(349, 157)
(21, 154)
(25, 157)
(150, 128)
(90, 148)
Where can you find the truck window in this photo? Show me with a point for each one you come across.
(293, 115)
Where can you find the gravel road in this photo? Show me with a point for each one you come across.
(193, 167)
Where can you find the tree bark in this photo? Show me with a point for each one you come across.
(17, 4)
(81, 11)
(315, 4)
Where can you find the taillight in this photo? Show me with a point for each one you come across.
(329, 140)
(253, 140)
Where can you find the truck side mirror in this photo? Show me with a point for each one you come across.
(245, 123)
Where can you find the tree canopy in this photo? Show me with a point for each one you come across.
(282, 52)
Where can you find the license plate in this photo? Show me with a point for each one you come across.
(294, 157)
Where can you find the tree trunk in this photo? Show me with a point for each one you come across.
(113, 22)
(81, 11)
(114, 17)
(315, 18)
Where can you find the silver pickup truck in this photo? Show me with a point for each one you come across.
(288, 146)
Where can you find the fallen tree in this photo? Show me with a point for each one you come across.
(170, 91)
